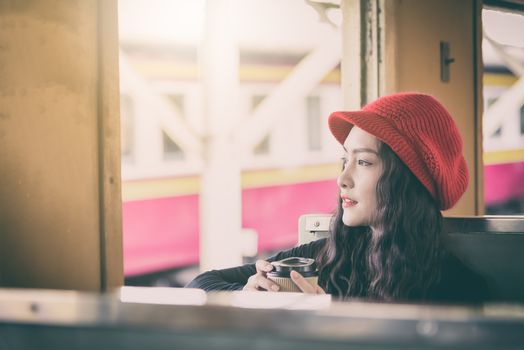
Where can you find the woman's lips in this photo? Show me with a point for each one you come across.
(348, 202)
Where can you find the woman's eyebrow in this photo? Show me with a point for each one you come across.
(361, 150)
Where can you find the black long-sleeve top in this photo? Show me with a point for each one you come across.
(458, 283)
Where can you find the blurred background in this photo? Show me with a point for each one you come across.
(224, 128)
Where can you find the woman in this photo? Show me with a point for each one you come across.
(402, 164)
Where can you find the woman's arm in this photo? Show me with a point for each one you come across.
(227, 279)
(235, 278)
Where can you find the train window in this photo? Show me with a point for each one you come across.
(263, 147)
(127, 125)
(172, 151)
(522, 120)
(314, 126)
(178, 102)
(489, 102)
(503, 55)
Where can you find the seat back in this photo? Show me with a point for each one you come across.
(491, 246)
(312, 227)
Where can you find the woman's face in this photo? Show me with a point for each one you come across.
(362, 168)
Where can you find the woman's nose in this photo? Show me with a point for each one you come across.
(344, 180)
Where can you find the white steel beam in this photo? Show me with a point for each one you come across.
(220, 192)
(511, 100)
(161, 115)
(497, 114)
(512, 63)
(302, 79)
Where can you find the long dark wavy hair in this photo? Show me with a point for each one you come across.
(400, 258)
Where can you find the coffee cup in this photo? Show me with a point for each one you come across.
(282, 269)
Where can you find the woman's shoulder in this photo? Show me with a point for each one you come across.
(459, 283)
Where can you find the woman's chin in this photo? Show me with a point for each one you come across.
(352, 221)
(348, 221)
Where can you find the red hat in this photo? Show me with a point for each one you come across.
(421, 132)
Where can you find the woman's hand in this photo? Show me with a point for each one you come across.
(304, 285)
(259, 281)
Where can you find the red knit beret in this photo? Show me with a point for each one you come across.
(421, 132)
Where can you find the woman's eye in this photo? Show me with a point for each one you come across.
(344, 162)
(363, 162)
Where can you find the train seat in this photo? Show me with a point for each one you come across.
(491, 245)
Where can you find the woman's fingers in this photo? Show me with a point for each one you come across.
(267, 284)
(319, 290)
(251, 284)
(263, 266)
(259, 281)
(301, 282)
(304, 285)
